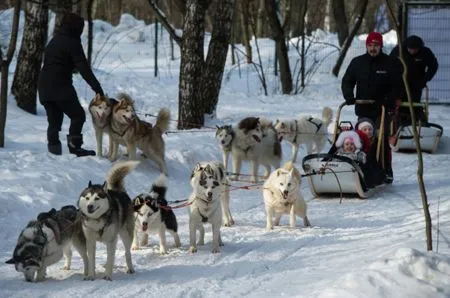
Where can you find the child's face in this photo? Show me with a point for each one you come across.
(349, 146)
(368, 130)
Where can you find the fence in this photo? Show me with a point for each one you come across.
(430, 21)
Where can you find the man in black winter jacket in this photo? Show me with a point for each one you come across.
(421, 65)
(63, 54)
(376, 77)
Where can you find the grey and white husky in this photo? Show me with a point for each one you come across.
(107, 212)
(254, 140)
(44, 241)
(154, 215)
(205, 206)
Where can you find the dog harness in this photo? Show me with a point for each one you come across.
(318, 125)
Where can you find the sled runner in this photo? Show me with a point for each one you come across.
(332, 175)
(429, 133)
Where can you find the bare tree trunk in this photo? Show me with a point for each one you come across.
(90, 4)
(349, 39)
(260, 19)
(114, 10)
(298, 12)
(24, 87)
(423, 193)
(190, 113)
(246, 29)
(5, 71)
(341, 20)
(281, 49)
(217, 55)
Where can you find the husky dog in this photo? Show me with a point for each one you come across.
(127, 129)
(282, 195)
(255, 140)
(44, 241)
(205, 207)
(100, 109)
(307, 130)
(106, 213)
(153, 215)
(219, 172)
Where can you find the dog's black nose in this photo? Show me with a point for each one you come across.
(90, 208)
(223, 142)
(209, 194)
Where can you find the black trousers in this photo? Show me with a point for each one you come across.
(55, 115)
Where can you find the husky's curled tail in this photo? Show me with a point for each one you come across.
(162, 121)
(116, 175)
(327, 116)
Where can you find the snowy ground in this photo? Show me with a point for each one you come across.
(360, 248)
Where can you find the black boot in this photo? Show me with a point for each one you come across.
(74, 143)
(55, 148)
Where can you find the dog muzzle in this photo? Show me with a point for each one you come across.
(144, 226)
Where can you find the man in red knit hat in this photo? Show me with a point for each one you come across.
(377, 77)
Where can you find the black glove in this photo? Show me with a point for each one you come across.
(350, 101)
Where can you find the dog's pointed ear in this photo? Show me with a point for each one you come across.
(90, 183)
(105, 186)
(217, 126)
(278, 172)
(10, 261)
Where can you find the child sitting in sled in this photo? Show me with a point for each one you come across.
(349, 145)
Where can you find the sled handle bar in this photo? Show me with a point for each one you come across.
(380, 131)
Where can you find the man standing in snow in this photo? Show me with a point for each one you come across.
(377, 77)
(421, 65)
(63, 54)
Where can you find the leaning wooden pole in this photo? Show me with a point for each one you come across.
(426, 210)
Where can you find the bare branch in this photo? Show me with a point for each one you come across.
(163, 20)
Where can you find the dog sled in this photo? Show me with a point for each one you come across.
(402, 139)
(331, 175)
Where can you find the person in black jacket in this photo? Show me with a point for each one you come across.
(376, 77)
(421, 65)
(63, 54)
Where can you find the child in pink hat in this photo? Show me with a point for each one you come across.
(349, 144)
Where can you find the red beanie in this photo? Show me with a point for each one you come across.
(374, 37)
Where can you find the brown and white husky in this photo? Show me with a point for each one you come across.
(127, 129)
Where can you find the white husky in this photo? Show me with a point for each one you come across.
(205, 206)
(282, 195)
(253, 140)
(307, 130)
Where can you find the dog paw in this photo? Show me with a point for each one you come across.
(89, 277)
(162, 252)
(269, 228)
(66, 267)
(234, 178)
(192, 249)
(130, 271)
(215, 250)
(135, 247)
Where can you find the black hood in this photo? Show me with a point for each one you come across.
(414, 42)
(71, 25)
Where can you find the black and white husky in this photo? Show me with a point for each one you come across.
(205, 207)
(254, 140)
(152, 215)
(44, 241)
(107, 212)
